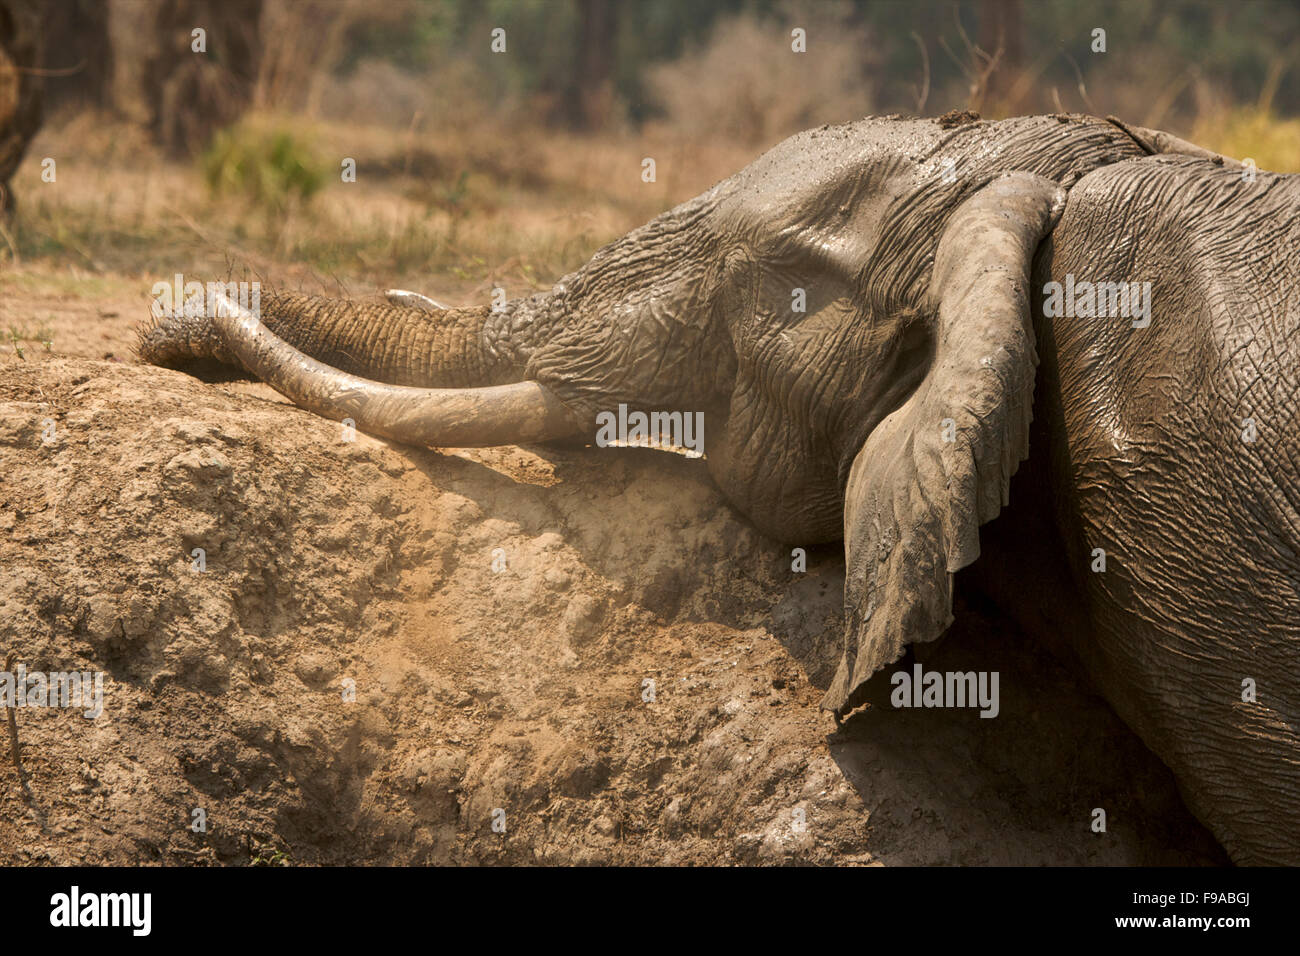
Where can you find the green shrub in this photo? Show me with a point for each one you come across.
(269, 166)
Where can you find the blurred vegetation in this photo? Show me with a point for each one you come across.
(596, 64)
(724, 67)
(1167, 55)
(273, 166)
(512, 167)
(1253, 133)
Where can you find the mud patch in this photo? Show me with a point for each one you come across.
(388, 649)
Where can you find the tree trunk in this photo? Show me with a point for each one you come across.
(591, 95)
(191, 94)
(21, 87)
(78, 54)
(1000, 31)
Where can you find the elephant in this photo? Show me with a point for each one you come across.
(880, 322)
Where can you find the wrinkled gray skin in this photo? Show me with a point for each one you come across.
(923, 249)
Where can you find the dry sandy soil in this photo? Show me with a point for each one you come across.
(476, 688)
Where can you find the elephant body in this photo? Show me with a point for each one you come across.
(861, 315)
(1173, 449)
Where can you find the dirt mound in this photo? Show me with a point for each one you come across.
(498, 615)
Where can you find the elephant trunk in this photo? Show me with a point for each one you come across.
(401, 346)
(438, 417)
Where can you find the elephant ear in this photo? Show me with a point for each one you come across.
(941, 464)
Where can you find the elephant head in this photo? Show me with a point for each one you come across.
(851, 313)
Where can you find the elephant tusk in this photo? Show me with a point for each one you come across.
(413, 300)
(437, 417)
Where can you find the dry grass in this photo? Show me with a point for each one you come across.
(451, 207)
(1255, 133)
(489, 205)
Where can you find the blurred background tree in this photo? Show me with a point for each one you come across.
(482, 167)
(76, 46)
(596, 64)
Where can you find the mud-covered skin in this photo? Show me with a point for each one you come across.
(916, 245)
(1201, 528)
(793, 395)
(400, 346)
